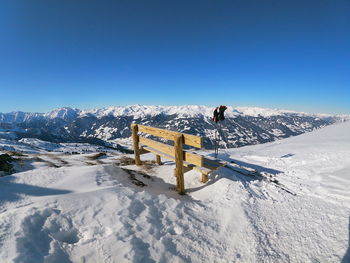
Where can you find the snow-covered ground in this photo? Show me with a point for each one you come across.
(32, 145)
(96, 208)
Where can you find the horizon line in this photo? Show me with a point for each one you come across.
(175, 105)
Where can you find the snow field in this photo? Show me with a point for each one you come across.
(93, 210)
(115, 219)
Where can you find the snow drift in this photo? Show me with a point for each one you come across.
(90, 211)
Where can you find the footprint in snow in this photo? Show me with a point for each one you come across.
(43, 236)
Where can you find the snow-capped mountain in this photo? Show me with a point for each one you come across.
(65, 113)
(19, 117)
(242, 126)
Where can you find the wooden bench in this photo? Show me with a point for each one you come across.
(185, 160)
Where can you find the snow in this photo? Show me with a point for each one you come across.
(65, 113)
(265, 112)
(18, 116)
(95, 210)
(36, 143)
(327, 172)
(15, 146)
(186, 111)
(140, 111)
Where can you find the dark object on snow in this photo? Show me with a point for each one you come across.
(5, 163)
(218, 114)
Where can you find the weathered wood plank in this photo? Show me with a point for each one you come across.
(167, 149)
(193, 158)
(187, 168)
(152, 150)
(188, 139)
(189, 157)
(135, 138)
(202, 170)
(143, 151)
(212, 164)
(180, 182)
(204, 178)
(158, 159)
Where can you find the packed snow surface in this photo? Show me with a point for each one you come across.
(95, 208)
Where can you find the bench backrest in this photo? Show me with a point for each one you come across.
(187, 139)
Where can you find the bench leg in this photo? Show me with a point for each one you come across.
(180, 182)
(204, 178)
(158, 160)
(135, 139)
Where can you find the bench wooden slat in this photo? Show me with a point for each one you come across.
(191, 140)
(212, 163)
(152, 150)
(162, 147)
(193, 158)
(202, 170)
(189, 157)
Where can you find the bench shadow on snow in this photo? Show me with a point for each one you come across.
(12, 191)
(140, 180)
(236, 176)
(145, 181)
(222, 173)
(261, 169)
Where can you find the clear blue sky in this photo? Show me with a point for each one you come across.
(292, 54)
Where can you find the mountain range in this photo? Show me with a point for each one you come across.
(109, 126)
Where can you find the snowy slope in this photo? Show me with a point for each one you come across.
(102, 213)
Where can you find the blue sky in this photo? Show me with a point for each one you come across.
(89, 54)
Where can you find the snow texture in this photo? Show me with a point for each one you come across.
(92, 208)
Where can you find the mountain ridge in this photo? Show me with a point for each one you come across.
(109, 126)
(152, 110)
